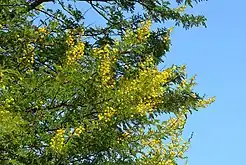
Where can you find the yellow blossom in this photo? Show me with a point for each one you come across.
(42, 30)
(106, 61)
(57, 142)
(107, 114)
(75, 50)
(79, 130)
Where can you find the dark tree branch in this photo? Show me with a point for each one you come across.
(36, 3)
(99, 12)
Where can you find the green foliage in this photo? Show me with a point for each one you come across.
(78, 94)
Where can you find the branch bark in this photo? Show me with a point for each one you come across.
(36, 3)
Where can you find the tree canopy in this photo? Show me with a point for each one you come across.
(73, 93)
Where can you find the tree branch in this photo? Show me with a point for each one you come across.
(36, 3)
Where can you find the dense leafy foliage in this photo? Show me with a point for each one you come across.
(78, 94)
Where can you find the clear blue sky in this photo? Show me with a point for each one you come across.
(217, 55)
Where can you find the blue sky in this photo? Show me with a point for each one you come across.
(216, 55)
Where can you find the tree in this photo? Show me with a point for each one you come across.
(78, 94)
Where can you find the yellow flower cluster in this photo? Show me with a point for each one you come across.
(41, 33)
(141, 34)
(42, 30)
(106, 58)
(165, 152)
(107, 114)
(205, 102)
(70, 40)
(57, 142)
(79, 130)
(153, 92)
(145, 91)
(147, 63)
(152, 142)
(175, 123)
(75, 53)
(177, 147)
(154, 151)
(76, 50)
(144, 31)
(142, 108)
